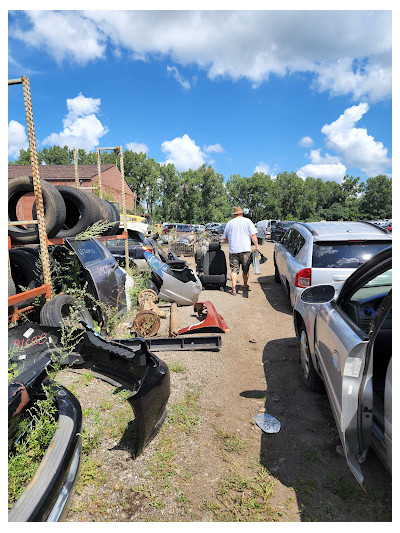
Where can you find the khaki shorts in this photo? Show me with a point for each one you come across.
(242, 258)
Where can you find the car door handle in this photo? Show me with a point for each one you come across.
(338, 277)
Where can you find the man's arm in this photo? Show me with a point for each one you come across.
(255, 241)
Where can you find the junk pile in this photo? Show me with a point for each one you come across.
(177, 283)
(68, 211)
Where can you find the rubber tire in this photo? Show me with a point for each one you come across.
(55, 311)
(106, 212)
(23, 269)
(309, 375)
(55, 209)
(277, 277)
(79, 211)
(116, 218)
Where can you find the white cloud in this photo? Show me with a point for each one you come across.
(179, 78)
(183, 153)
(355, 147)
(64, 34)
(306, 142)
(17, 138)
(81, 126)
(262, 167)
(216, 148)
(341, 77)
(137, 147)
(346, 52)
(326, 167)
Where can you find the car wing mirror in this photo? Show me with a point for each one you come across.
(318, 294)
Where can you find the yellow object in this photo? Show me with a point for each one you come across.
(136, 218)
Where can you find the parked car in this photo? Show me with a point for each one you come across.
(210, 225)
(281, 226)
(264, 228)
(346, 345)
(199, 228)
(218, 230)
(184, 228)
(325, 252)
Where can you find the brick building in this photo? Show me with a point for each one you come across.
(65, 175)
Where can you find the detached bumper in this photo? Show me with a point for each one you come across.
(46, 496)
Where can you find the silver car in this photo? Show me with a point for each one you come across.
(325, 252)
(346, 346)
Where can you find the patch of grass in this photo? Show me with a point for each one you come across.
(184, 415)
(243, 499)
(90, 474)
(87, 377)
(342, 488)
(311, 455)
(305, 485)
(230, 442)
(178, 368)
(161, 464)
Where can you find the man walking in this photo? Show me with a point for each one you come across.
(239, 233)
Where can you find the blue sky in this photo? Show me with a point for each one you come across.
(305, 91)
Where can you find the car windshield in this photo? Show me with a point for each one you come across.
(286, 225)
(345, 254)
(378, 286)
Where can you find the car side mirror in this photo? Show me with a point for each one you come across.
(318, 294)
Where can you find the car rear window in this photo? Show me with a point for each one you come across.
(345, 254)
(88, 251)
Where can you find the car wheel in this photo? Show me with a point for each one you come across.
(277, 277)
(309, 375)
(64, 311)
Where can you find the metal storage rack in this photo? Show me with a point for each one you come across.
(44, 241)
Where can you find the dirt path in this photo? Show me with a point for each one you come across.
(210, 462)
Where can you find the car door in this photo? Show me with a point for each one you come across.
(281, 254)
(344, 350)
(295, 244)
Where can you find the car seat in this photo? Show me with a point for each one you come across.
(214, 270)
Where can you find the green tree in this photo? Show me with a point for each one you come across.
(377, 200)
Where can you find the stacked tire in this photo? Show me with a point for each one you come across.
(68, 211)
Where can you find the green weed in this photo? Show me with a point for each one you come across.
(177, 368)
(343, 489)
(230, 443)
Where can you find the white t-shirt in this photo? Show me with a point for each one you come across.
(238, 231)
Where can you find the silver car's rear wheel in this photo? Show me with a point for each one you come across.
(305, 355)
(309, 375)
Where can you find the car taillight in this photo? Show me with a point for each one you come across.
(303, 278)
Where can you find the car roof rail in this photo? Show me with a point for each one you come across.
(383, 230)
(311, 230)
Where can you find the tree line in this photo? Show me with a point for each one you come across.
(203, 195)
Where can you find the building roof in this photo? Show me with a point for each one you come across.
(57, 172)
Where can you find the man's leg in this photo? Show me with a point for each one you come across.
(234, 281)
(245, 267)
(234, 266)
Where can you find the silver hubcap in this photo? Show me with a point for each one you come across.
(304, 354)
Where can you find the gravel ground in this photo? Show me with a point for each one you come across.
(210, 462)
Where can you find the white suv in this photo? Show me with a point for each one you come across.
(325, 252)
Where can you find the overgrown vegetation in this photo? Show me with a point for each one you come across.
(33, 435)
